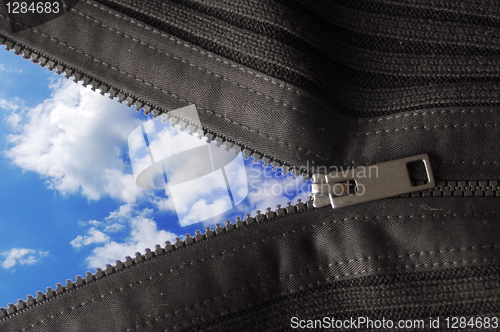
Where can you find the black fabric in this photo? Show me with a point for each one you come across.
(302, 83)
(243, 105)
(398, 258)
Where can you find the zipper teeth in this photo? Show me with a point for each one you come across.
(465, 188)
(147, 108)
(443, 188)
(269, 214)
(156, 112)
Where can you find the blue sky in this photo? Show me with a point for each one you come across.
(70, 201)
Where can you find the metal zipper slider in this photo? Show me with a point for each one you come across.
(368, 183)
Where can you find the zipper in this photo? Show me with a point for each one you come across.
(393, 182)
(192, 26)
(471, 188)
(269, 214)
(148, 108)
(359, 185)
(392, 179)
(156, 112)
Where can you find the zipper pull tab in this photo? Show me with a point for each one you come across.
(368, 183)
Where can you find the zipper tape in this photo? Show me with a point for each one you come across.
(148, 109)
(149, 254)
(443, 188)
(470, 188)
(174, 118)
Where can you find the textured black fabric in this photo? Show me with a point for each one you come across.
(243, 105)
(396, 258)
(330, 82)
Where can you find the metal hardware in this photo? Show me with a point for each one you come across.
(371, 183)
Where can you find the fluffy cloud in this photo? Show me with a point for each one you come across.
(257, 189)
(201, 209)
(14, 107)
(265, 192)
(94, 236)
(9, 105)
(266, 189)
(76, 140)
(124, 212)
(142, 233)
(21, 256)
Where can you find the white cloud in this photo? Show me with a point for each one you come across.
(94, 236)
(186, 194)
(164, 204)
(76, 140)
(254, 188)
(267, 191)
(115, 227)
(10, 70)
(13, 106)
(9, 105)
(161, 136)
(21, 256)
(201, 210)
(142, 233)
(94, 222)
(191, 155)
(125, 211)
(13, 119)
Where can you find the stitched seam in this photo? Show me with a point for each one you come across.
(193, 65)
(387, 26)
(453, 263)
(411, 65)
(441, 127)
(460, 7)
(323, 298)
(268, 97)
(445, 299)
(467, 162)
(197, 305)
(460, 89)
(311, 311)
(102, 296)
(253, 73)
(209, 55)
(359, 259)
(181, 42)
(233, 35)
(210, 112)
(422, 113)
(226, 62)
(307, 151)
(222, 253)
(339, 163)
